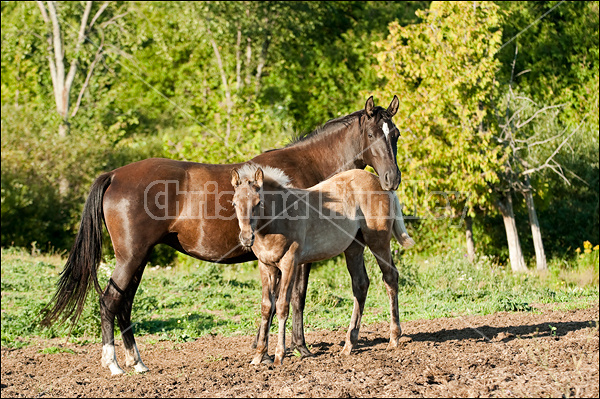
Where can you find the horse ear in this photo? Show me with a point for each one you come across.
(258, 177)
(235, 178)
(369, 105)
(393, 108)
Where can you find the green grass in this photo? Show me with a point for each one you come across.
(195, 298)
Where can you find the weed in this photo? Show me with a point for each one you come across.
(56, 349)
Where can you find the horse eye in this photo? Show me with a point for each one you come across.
(233, 203)
(370, 135)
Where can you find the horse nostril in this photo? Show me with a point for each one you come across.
(386, 178)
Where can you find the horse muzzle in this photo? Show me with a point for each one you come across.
(390, 180)
(247, 240)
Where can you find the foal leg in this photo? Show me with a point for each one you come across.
(383, 254)
(298, 302)
(360, 285)
(132, 354)
(288, 267)
(268, 277)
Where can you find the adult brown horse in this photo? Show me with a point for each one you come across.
(187, 205)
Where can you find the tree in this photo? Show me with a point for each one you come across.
(529, 133)
(558, 64)
(443, 70)
(63, 79)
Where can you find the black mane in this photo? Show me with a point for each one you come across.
(334, 124)
(328, 126)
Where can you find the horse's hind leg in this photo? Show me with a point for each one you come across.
(360, 286)
(298, 302)
(383, 254)
(110, 303)
(132, 354)
(115, 302)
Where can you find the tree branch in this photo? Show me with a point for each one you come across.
(224, 81)
(520, 125)
(88, 77)
(50, 48)
(238, 58)
(59, 92)
(80, 40)
(551, 157)
(98, 13)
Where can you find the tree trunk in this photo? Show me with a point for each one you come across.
(470, 242)
(517, 262)
(262, 59)
(228, 101)
(540, 255)
(238, 60)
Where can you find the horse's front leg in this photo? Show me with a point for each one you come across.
(268, 276)
(298, 302)
(288, 267)
(360, 286)
(383, 255)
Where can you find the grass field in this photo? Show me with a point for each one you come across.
(195, 298)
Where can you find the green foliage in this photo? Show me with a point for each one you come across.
(443, 71)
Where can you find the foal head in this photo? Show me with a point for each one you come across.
(379, 142)
(247, 199)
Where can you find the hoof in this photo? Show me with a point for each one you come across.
(140, 368)
(267, 360)
(346, 351)
(115, 369)
(264, 359)
(303, 350)
(398, 342)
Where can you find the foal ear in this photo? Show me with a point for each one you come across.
(235, 178)
(369, 106)
(258, 177)
(393, 108)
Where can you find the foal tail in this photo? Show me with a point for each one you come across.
(398, 229)
(83, 260)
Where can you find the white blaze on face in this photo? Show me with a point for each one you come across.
(386, 130)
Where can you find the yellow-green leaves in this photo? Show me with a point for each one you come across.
(443, 71)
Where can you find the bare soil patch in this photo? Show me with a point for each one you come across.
(504, 354)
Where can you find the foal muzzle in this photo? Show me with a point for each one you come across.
(247, 241)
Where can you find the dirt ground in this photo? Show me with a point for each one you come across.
(504, 354)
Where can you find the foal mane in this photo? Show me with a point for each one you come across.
(272, 175)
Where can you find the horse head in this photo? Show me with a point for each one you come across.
(379, 142)
(247, 199)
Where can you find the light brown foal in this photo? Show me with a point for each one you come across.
(286, 226)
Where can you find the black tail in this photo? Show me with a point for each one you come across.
(83, 260)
